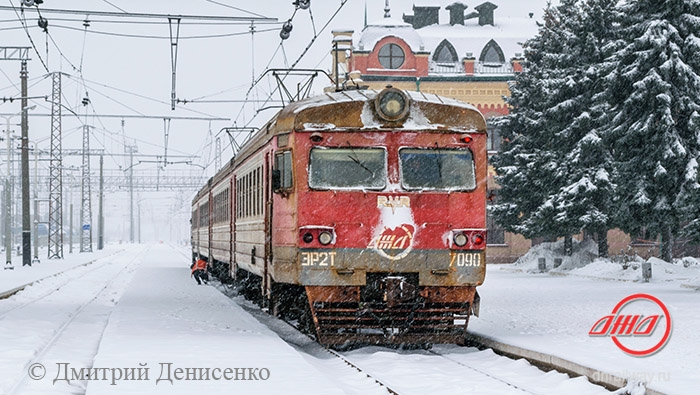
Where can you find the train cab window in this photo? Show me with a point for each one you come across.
(282, 173)
(437, 169)
(347, 168)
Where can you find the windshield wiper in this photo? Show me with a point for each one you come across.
(357, 160)
(438, 160)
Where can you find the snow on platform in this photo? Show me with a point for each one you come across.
(20, 275)
(165, 322)
(553, 314)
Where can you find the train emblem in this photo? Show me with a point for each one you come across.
(395, 238)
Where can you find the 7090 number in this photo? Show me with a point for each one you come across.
(468, 259)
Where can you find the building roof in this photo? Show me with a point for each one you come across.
(513, 25)
(377, 30)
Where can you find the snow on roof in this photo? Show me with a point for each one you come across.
(512, 26)
(509, 33)
(376, 31)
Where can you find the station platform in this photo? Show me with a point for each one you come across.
(193, 339)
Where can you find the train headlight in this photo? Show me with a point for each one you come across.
(308, 237)
(460, 239)
(325, 238)
(392, 104)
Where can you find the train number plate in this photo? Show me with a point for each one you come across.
(468, 259)
(316, 258)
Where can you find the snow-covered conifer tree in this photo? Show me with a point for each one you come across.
(654, 98)
(555, 169)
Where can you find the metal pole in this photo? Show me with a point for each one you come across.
(8, 200)
(139, 218)
(100, 216)
(36, 205)
(70, 225)
(26, 217)
(35, 259)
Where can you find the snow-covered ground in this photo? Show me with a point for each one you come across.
(139, 309)
(553, 312)
(20, 275)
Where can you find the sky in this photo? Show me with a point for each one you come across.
(126, 68)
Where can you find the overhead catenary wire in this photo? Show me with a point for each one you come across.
(234, 8)
(142, 15)
(153, 37)
(23, 21)
(312, 41)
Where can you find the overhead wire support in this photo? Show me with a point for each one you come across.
(173, 56)
(55, 247)
(135, 15)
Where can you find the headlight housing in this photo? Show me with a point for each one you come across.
(460, 239)
(392, 104)
(325, 238)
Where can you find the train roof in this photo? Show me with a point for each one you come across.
(353, 110)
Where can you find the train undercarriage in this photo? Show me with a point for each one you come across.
(392, 309)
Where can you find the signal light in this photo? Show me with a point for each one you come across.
(467, 139)
(308, 237)
(478, 239)
(325, 238)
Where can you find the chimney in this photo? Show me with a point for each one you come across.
(486, 13)
(456, 13)
(408, 19)
(425, 16)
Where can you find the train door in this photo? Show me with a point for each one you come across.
(233, 268)
(267, 215)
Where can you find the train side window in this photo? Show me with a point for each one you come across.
(282, 172)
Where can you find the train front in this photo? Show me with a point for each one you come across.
(390, 230)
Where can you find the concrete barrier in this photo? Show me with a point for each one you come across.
(550, 362)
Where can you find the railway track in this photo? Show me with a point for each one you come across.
(91, 300)
(64, 277)
(392, 370)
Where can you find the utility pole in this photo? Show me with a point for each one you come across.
(85, 201)
(26, 216)
(100, 216)
(8, 200)
(131, 150)
(55, 179)
(35, 258)
(21, 54)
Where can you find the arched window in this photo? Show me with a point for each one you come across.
(391, 56)
(445, 53)
(492, 54)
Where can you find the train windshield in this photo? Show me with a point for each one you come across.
(437, 169)
(347, 168)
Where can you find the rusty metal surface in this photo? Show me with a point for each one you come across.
(433, 314)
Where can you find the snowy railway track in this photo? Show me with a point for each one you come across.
(65, 277)
(394, 370)
(310, 349)
(83, 325)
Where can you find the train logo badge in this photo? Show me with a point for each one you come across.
(639, 330)
(395, 232)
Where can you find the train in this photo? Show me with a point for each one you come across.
(358, 214)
